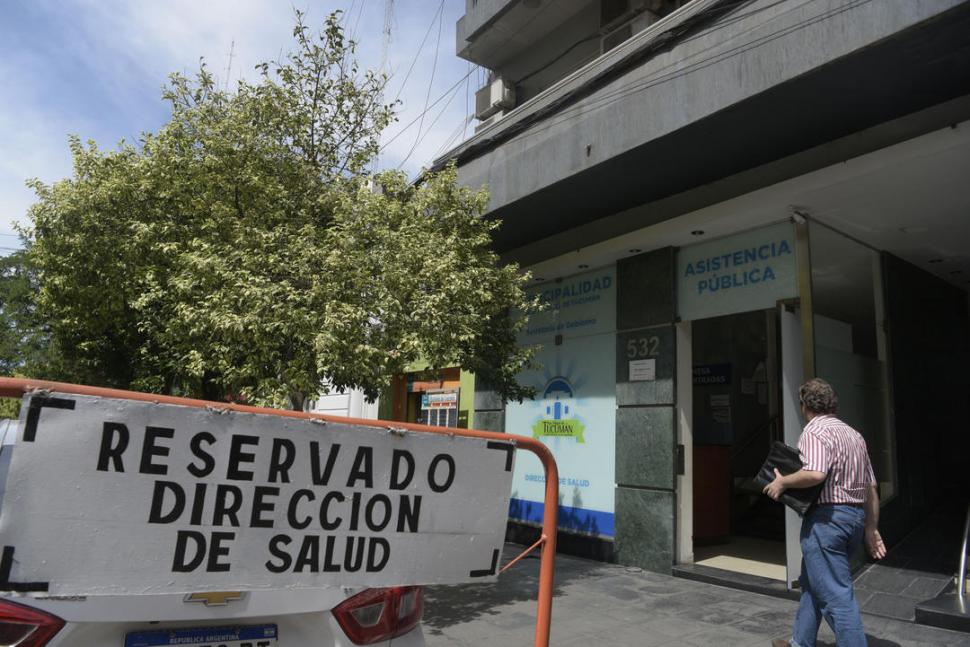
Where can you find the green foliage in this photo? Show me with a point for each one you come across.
(241, 252)
(9, 408)
(25, 343)
(16, 321)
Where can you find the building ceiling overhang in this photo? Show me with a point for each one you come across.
(833, 112)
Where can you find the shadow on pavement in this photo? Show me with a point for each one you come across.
(445, 606)
(873, 642)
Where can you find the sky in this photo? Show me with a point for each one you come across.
(95, 68)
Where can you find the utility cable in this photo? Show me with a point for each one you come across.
(346, 16)
(556, 59)
(360, 12)
(427, 96)
(467, 77)
(441, 7)
(386, 34)
(660, 78)
(433, 122)
(466, 120)
(560, 116)
(483, 78)
(455, 135)
(597, 35)
(665, 36)
(708, 32)
(433, 104)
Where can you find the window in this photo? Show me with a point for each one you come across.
(850, 342)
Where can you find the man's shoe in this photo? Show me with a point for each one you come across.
(780, 642)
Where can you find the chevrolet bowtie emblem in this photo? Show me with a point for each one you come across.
(215, 598)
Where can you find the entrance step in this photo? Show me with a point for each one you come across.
(946, 611)
(889, 590)
(912, 581)
(734, 580)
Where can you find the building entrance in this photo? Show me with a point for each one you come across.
(736, 415)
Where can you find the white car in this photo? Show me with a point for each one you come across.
(234, 619)
(331, 617)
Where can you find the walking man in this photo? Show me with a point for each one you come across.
(847, 513)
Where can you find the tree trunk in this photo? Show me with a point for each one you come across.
(297, 401)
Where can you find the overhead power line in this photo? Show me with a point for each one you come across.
(467, 119)
(558, 115)
(483, 74)
(346, 16)
(414, 60)
(232, 53)
(427, 96)
(458, 132)
(660, 76)
(482, 78)
(360, 12)
(386, 33)
(430, 106)
(421, 137)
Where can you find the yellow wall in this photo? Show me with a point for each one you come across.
(466, 398)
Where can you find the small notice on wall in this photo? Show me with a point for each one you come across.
(643, 370)
(712, 374)
(720, 399)
(721, 415)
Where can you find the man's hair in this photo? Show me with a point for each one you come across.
(818, 396)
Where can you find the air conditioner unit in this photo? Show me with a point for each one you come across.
(489, 121)
(614, 13)
(497, 95)
(632, 26)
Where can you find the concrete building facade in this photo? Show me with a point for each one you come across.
(719, 199)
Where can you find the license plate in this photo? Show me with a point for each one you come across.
(246, 636)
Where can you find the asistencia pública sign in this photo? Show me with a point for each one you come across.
(120, 497)
(752, 270)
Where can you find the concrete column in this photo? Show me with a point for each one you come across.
(646, 420)
(489, 413)
(685, 438)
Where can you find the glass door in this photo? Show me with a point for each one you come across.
(792, 377)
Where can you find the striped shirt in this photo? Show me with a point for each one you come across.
(829, 445)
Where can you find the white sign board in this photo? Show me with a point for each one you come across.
(119, 497)
(580, 305)
(643, 370)
(747, 271)
(721, 400)
(440, 400)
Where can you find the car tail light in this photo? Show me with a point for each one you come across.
(25, 626)
(375, 615)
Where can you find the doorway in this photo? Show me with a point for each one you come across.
(736, 416)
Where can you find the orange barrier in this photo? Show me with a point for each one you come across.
(17, 387)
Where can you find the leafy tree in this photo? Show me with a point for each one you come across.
(17, 330)
(26, 348)
(243, 250)
(25, 343)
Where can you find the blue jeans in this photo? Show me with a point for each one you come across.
(830, 534)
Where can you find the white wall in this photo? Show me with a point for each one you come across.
(350, 404)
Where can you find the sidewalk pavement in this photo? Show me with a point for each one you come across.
(609, 605)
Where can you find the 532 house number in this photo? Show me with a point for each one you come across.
(639, 347)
